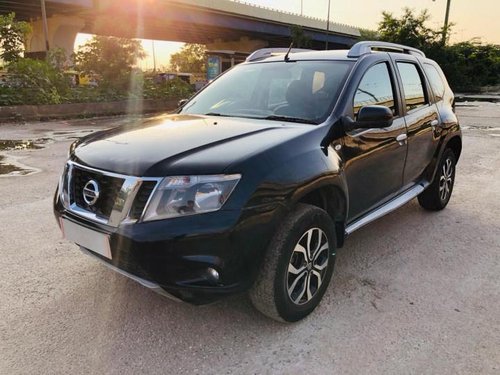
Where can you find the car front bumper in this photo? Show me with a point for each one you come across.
(177, 257)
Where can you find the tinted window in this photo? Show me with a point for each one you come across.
(436, 81)
(413, 87)
(375, 88)
(279, 85)
(302, 90)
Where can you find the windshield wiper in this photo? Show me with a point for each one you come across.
(290, 119)
(272, 117)
(216, 114)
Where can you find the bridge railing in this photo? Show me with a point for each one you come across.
(291, 13)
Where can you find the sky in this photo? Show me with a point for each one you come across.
(472, 19)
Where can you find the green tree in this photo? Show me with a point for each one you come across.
(111, 58)
(190, 59)
(366, 34)
(58, 59)
(470, 65)
(12, 36)
(409, 29)
(36, 82)
(299, 38)
(467, 65)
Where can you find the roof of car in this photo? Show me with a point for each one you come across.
(356, 51)
(309, 55)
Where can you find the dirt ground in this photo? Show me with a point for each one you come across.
(402, 300)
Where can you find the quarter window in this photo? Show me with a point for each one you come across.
(413, 86)
(436, 81)
(375, 89)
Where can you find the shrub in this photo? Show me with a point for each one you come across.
(171, 89)
(36, 81)
(11, 96)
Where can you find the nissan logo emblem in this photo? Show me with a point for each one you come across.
(91, 192)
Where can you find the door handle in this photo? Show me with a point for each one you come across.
(434, 123)
(402, 139)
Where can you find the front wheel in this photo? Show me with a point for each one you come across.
(438, 194)
(297, 267)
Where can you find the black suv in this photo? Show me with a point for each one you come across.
(256, 181)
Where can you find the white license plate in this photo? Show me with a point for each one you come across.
(87, 238)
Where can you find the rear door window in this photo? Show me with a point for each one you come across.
(413, 86)
(435, 80)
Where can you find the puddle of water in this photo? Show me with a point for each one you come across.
(9, 169)
(466, 104)
(42, 130)
(44, 140)
(13, 170)
(61, 132)
(68, 134)
(12, 144)
(482, 128)
(38, 143)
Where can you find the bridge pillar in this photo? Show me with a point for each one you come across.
(62, 33)
(245, 44)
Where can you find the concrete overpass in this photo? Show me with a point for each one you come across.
(219, 24)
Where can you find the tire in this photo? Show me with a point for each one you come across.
(291, 282)
(438, 194)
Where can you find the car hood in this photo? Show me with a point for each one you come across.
(181, 144)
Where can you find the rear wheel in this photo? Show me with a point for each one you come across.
(438, 194)
(298, 266)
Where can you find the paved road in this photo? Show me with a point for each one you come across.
(413, 293)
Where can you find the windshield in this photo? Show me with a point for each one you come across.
(300, 91)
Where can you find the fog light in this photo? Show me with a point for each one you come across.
(213, 274)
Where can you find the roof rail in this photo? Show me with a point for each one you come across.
(268, 52)
(362, 48)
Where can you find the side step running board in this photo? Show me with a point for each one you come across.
(383, 210)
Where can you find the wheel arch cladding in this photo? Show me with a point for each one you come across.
(455, 144)
(331, 199)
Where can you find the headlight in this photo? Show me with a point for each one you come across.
(72, 148)
(62, 188)
(190, 195)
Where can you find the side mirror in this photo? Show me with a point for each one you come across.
(181, 102)
(370, 116)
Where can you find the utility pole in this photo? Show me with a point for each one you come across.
(446, 18)
(154, 56)
(301, 7)
(327, 25)
(44, 23)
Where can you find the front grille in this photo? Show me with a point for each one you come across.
(109, 187)
(141, 199)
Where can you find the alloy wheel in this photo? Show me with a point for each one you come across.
(446, 179)
(307, 266)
